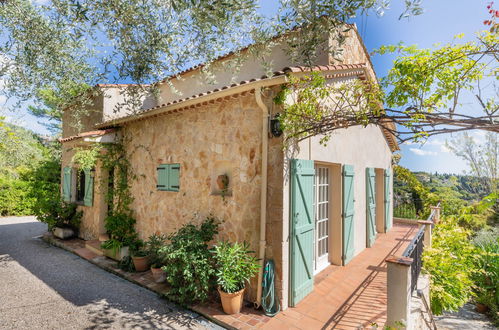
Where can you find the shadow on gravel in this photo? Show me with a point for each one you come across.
(109, 300)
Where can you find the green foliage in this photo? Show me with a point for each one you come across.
(121, 229)
(15, 198)
(152, 247)
(482, 158)
(235, 265)
(29, 172)
(450, 264)
(188, 262)
(86, 158)
(427, 78)
(112, 244)
(44, 181)
(58, 52)
(56, 213)
(126, 264)
(116, 161)
(317, 107)
(486, 275)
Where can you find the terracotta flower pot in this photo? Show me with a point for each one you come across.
(141, 264)
(158, 274)
(481, 308)
(222, 181)
(231, 302)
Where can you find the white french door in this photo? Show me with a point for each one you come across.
(321, 205)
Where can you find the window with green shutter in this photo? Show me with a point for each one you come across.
(66, 184)
(168, 177)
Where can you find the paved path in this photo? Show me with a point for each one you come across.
(464, 319)
(44, 287)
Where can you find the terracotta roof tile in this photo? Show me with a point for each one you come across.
(294, 69)
(99, 132)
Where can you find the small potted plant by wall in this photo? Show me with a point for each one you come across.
(140, 260)
(482, 300)
(139, 256)
(114, 249)
(235, 265)
(153, 245)
(123, 237)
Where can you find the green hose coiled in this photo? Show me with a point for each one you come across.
(270, 303)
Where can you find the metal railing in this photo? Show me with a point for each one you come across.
(415, 251)
(408, 208)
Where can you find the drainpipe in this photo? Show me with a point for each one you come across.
(263, 196)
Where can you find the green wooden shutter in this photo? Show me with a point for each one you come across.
(162, 177)
(371, 206)
(348, 213)
(89, 188)
(168, 177)
(174, 177)
(302, 229)
(66, 183)
(388, 198)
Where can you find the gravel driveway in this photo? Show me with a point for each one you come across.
(44, 287)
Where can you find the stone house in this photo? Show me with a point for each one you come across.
(305, 209)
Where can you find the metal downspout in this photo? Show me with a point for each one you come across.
(263, 195)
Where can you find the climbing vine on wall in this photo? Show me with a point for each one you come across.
(115, 161)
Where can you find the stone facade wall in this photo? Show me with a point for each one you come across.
(354, 52)
(222, 138)
(76, 121)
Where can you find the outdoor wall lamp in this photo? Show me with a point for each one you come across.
(275, 126)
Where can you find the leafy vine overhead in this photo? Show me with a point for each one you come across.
(55, 50)
(86, 158)
(425, 94)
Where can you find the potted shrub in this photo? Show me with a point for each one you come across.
(114, 249)
(235, 265)
(140, 261)
(63, 219)
(153, 245)
(123, 237)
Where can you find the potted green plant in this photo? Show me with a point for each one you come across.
(123, 237)
(114, 249)
(152, 247)
(63, 219)
(140, 262)
(138, 255)
(235, 265)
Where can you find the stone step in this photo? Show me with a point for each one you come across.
(86, 253)
(94, 246)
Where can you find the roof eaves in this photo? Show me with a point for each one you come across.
(271, 80)
(95, 133)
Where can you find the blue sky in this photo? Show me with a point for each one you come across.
(441, 21)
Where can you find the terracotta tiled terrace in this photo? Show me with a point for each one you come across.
(350, 297)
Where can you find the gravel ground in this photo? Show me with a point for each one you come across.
(44, 287)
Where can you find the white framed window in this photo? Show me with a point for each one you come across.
(321, 205)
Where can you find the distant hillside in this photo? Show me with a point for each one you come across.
(466, 187)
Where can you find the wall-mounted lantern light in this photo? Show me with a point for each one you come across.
(275, 126)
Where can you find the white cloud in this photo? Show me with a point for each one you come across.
(3, 99)
(421, 152)
(444, 148)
